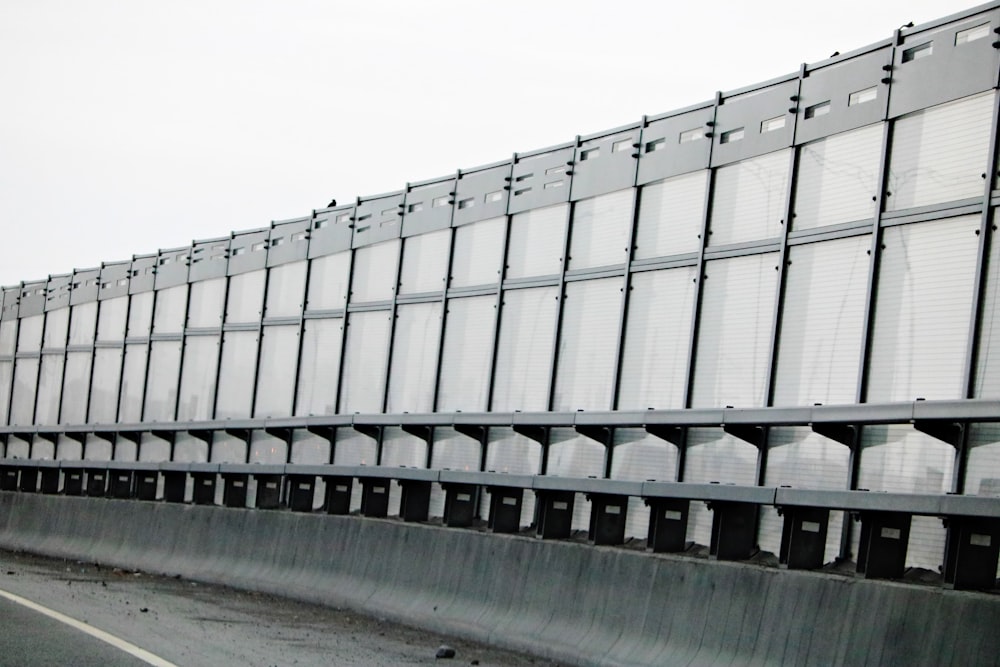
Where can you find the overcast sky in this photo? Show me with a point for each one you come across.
(132, 125)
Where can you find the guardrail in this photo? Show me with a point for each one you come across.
(972, 522)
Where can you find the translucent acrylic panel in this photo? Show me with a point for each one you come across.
(163, 374)
(838, 178)
(657, 339)
(56, 328)
(286, 286)
(749, 199)
(170, 311)
(319, 370)
(111, 320)
(133, 383)
(228, 449)
(8, 337)
(279, 352)
(454, 450)
(126, 450)
(922, 308)
(201, 361)
(237, 371)
(425, 262)
(899, 459)
(987, 379)
(96, 449)
(478, 253)
(29, 335)
(799, 458)
(982, 472)
(399, 448)
(734, 334)
(822, 322)
(207, 303)
(524, 352)
(639, 456)
(468, 348)
(42, 448)
(715, 456)
(364, 365)
(6, 376)
(308, 448)
(68, 449)
(76, 388)
(940, 154)
(140, 314)
(536, 242)
(83, 323)
(374, 277)
(266, 448)
(151, 449)
(574, 455)
(588, 345)
(329, 278)
(601, 229)
(104, 385)
(245, 301)
(512, 452)
(670, 216)
(50, 381)
(353, 448)
(18, 449)
(414, 357)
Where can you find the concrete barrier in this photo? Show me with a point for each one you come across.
(561, 600)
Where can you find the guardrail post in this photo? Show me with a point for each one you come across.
(120, 485)
(608, 513)
(73, 481)
(174, 485)
(882, 549)
(803, 537)
(374, 497)
(8, 478)
(972, 548)
(97, 482)
(668, 520)
(734, 530)
(414, 503)
(460, 504)
(146, 482)
(234, 491)
(29, 479)
(505, 509)
(204, 488)
(268, 491)
(301, 490)
(338, 495)
(555, 514)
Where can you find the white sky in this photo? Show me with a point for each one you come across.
(132, 125)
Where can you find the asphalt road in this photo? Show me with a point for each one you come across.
(189, 623)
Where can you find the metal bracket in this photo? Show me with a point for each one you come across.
(942, 429)
(169, 436)
(328, 433)
(601, 434)
(371, 431)
(479, 433)
(845, 434)
(281, 433)
(240, 433)
(205, 435)
(747, 432)
(108, 436)
(425, 433)
(51, 437)
(672, 434)
(536, 433)
(132, 436)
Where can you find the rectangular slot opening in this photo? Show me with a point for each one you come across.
(438, 202)
(413, 208)
(918, 52)
(656, 145)
(972, 34)
(732, 136)
(466, 203)
(772, 124)
(494, 196)
(621, 145)
(817, 110)
(862, 96)
(695, 134)
(590, 154)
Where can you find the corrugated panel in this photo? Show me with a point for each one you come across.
(400, 448)
(600, 230)
(104, 385)
(749, 199)
(352, 448)
(799, 458)
(6, 376)
(588, 344)
(22, 407)
(987, 380)
(56, 328)
(468, 345)
(201, 361)
(838, 178)
(524, 355)
(822, 322)
(161, 394)
(286, 288)
(319, 367)
(170, 309)
(133, 382)
(939, 154)
(364, 363)
(536, 242)
(425, 262)
(140, 314)
(29, 335)
(414, 357)
(329, 280)
(734, 334)
(279, 352)
(245, 301)
(455, 451)
(900, 459)
(83, 323)
(237, 370)
(478, 253)
(50, 381)
(670, 216)
(374, 277)
(111, 319)
(715, 456)
(924, 299)
(657, 339)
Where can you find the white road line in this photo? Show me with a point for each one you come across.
(118, 643)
